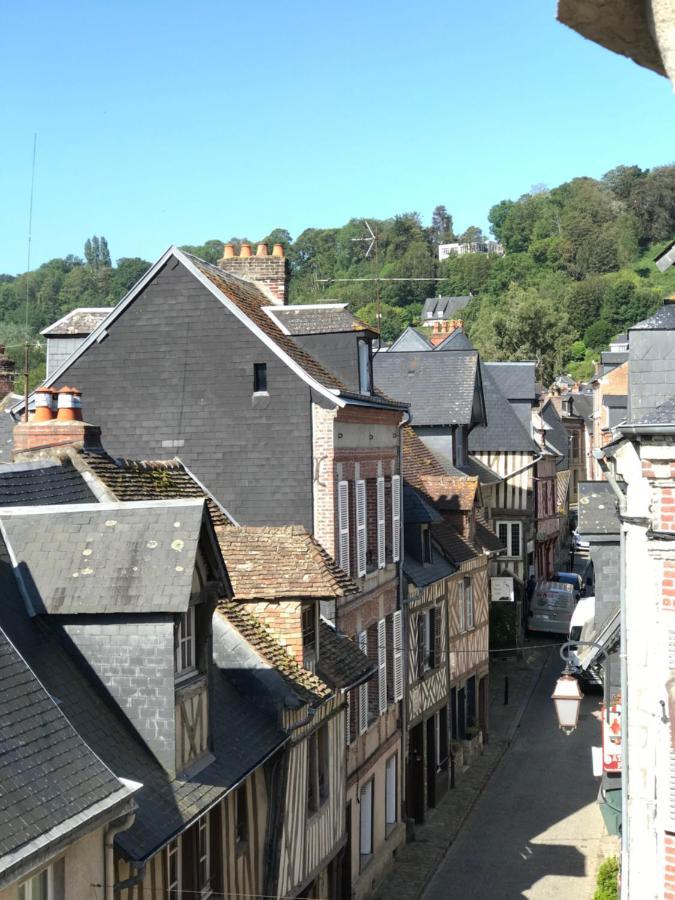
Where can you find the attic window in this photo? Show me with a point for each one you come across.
(259, 377)
(365, 376)
(186, 644)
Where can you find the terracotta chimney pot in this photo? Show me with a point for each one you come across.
(261, 250)
(69, 405)
(278, 250)
(45, 399)
(228, 251)
(245, 250)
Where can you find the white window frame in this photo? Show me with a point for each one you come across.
(381, 526)
(461, 607)
(366, 809)
(396, 517)
(397, 641)
(391, 792)
(25, 891)
(468, 599)
(382, 665)
(174, 888)
(365, 376)
(362, 641)
(186, 638)
(349, 737)
(361, 528)
(204, 843)
(509, 523)
(343, 526)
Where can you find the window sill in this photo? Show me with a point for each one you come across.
(190, 684)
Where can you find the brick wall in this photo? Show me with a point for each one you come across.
(269, 271)
(284, 620)
(669, 872)
(325, 490)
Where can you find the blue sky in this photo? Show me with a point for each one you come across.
(163, 123)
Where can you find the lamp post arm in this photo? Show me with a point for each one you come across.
(565, 650)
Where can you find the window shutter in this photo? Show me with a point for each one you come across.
(348, 718)
(382, 664)
(461, 606)
(363, 689)
(396, 517)
(343, 524)
(381, 545)
(438, 644)
(398, 655)
(361, 534)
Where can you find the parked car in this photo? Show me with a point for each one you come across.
(581, 624)
(551, 607)
(574, 579)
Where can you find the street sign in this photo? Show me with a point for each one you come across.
(611, 736)
(501, 589)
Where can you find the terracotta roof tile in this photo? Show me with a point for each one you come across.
(309, 687)
(130, 479)
(280, 563)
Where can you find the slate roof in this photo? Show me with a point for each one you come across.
(453, 544)
(598, 511)
(610, 359)
(485, 536)
(504, 430)
(664, 414)
(424, 574)
(244, 733)
(582, 405)
(41, 483)
(516, 380)
(78, 322)
(443, 307)
(410, 339)
(662, 320)
(253, 303)
(457, 340)
(7, 427)
(48, 774)
(341, 664)
(309, 688)
(129, 479)
(314, 319)
(281, 563)
(557, 437)
(483, 473)
(106, 558)
(615, 401)
(439, 387)
(416, 510)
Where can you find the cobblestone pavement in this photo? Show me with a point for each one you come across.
(417, 861)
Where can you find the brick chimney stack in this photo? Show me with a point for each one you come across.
(6, 373)
(56, 422)
(442, 330)
(268, 271)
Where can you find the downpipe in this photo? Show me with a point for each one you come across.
(111, 832)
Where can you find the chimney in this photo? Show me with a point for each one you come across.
(445, 328)
(45, 431)
(6, 373)
(269, 272)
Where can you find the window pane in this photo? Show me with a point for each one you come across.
(515, 539)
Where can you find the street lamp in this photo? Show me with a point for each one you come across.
(567, 697)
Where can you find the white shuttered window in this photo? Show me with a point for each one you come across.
(396, 517)
(361, 531)
(462, 607)
(363, 689)
(343, 525)
(397, 640)
(381, 526)
(382, 665)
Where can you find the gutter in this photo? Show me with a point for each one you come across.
(600, 456)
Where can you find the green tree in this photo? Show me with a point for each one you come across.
(392, 322)
(441, 226)
(104, 253)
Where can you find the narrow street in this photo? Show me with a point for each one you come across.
(536, 832)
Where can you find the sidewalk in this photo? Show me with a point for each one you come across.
(415, 863)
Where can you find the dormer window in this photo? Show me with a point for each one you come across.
(186, 644)
(365, 369)
(310, 642)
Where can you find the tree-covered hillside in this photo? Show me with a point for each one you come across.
(578, 268)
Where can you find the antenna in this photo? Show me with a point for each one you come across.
(372, 241)
(30, 238)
